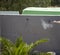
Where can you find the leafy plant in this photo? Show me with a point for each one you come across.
(40, 53)
(19, 48)
(45, 53)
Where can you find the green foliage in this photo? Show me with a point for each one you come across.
(19, 5)
(55, 3)
(41, 53)
(44, 53)
(19, 48)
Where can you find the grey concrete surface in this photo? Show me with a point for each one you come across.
(32, 28)
(0, 26)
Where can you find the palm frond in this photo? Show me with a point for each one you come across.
(19, 48)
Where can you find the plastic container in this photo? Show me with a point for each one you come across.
(41, 11)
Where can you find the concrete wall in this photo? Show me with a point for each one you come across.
(33, 28)
(0, 26)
